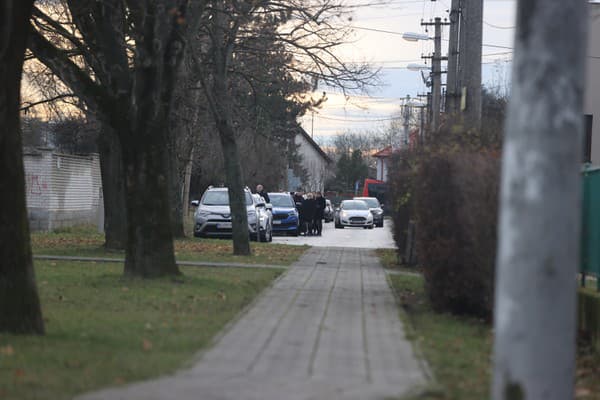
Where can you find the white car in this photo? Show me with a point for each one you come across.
(353, 213)
(213, 215)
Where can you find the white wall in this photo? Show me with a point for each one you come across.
(316, 166)
(62, 190)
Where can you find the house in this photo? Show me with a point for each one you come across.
(592, 89)
(62, 190)
(316, 164)
(383, 158)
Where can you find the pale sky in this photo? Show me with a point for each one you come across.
(387, 50)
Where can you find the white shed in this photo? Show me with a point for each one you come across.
(62, 190)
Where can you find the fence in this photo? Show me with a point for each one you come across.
(590, 235)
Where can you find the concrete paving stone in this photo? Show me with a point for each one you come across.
(328, 329)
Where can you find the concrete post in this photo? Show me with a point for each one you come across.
(539, 225)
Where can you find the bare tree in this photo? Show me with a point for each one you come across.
(539, 228)
(308, 32)
(19, 302)
(123, 62)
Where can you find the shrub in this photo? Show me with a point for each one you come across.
(456, 205)
(400, 178)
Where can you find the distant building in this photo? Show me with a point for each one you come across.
(383, 158)
(315, 162)
(62, 190)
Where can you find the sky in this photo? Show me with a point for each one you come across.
(377, 39)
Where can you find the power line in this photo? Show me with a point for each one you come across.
(358, 120)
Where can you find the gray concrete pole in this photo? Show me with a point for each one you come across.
(469, 66)
(539, 225)
(436, 72)
(452, 93)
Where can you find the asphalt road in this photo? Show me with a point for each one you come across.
(347, 237)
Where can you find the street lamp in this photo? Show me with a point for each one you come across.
(417, 67)
(414, 36)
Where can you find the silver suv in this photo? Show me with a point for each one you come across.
(213, 215)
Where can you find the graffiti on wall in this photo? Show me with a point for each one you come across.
(35, 186)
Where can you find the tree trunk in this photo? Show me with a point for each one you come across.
(19, 302)
(539, 226)
(149, 251)
(113, 189)
(235, 185)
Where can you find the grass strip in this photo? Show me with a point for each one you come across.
(87, 242)
(458, 349)
(105, 330)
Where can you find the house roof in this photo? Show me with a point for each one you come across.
(384, 153)
(314, 144)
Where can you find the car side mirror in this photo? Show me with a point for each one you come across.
(195, 203)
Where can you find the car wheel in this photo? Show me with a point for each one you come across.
(365, 227)
(371, 226)
(295, 232)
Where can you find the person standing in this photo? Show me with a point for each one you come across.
(310, 208)
(260, 190)
(319, 213)
(299, 202)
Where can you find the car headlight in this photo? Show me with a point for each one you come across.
(202, 214)
(377, 212)
(293, 213)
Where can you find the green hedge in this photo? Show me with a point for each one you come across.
(589, 316)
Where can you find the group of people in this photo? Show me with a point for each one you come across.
(311, 210)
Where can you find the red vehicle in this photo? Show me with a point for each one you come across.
(375, 188)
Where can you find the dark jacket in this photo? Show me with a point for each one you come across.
(309, 209)
(320, 207)
(265, 196)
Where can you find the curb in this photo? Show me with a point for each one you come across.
(180, 263)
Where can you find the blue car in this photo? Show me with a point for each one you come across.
(285, 214)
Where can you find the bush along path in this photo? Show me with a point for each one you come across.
(328, 329)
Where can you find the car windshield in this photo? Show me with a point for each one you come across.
(354, 205)
(281, 200)
(371, 202)
(221, 198)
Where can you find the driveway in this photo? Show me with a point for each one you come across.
(347, 237)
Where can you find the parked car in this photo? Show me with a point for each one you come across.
(375, 208)
(212, 217)
(285, 214)
(353, 213)
(328, 212)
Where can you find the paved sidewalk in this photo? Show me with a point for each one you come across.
(328, 329)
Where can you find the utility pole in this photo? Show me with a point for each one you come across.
(436, 71)
(452, 92)
(469, 61)
(406, 119)
(540, 210)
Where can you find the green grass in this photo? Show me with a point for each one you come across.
(459, 349)
(105, 330)
(87, 242)
(389, 260)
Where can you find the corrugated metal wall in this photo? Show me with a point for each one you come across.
(62, 190)
(37, 178)
(75, 183)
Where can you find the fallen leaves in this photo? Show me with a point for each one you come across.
(146, 345)
(7, 350)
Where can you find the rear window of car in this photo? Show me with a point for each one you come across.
(221, 198)
(281, 200)
(354, 205)
(371, 202)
